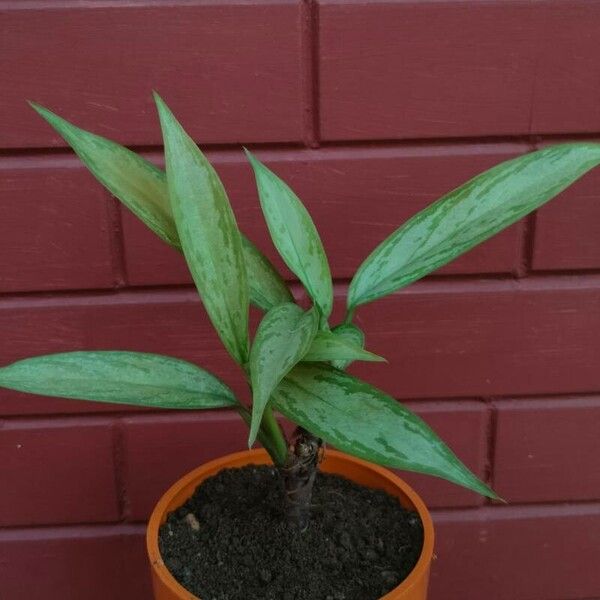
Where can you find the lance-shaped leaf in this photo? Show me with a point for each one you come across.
(142, 187)
(122, 377)
(361, 420)
(352, 334)
(209, 235)
(469, 215)
(283, 337)
(294, 235)
(267, 288)
(330, 346)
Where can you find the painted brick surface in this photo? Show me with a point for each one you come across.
(547, 450)
(74, 563)
(370, 109)
(565, 89)
(356, 198)
(486, 338)
(160, 450)
(57, 472)
(481, 68)
(214, 62)
(517, 553)
(55, 231)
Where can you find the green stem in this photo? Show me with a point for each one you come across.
(271, 437)
(349, 316)
(276, 437)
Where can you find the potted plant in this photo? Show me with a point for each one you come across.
(254, 524)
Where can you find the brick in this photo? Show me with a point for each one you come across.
(425, 69)
(565, 90)
(519, 553)
(463, 426)
(74, 563)
(485, 338)
(444, 69)
(547, 450)
(57, 472)
(567, 230)
(216, 64)
(357, 197)
(161, 449)
(55, 231)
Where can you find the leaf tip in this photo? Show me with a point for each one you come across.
(495, 497)
(157, 98)
(164, 112)
(253, 160)
(252, 437)
(46, 114)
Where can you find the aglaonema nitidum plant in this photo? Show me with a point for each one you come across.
(296, 362)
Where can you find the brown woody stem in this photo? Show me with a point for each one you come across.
(298, 475)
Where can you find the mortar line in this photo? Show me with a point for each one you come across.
(310, 72)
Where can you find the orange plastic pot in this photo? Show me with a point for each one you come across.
(414, 587)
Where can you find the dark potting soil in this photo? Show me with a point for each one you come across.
(230, 540)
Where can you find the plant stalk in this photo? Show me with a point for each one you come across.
(276, 437)
(298, 476)
(273, 441)
(349, 316)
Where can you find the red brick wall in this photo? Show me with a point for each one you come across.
(370, 109)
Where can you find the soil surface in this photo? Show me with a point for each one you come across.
(230, 541)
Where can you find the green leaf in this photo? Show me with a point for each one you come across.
(361, 420)
(267, 288)
(210, 239)
(329, 346)
(294, 235)
(122, 377)
(142, 187)
(469, 215)
(352, 334)
(283, 337)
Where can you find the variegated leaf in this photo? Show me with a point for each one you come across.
(210, 239)
(142, 187)
(134, 378)
(352, 334)
(329, 346)
(294, 235)
(361, 420)
(469, 215)
(283, 337)
(267, 288)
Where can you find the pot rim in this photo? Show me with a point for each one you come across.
(213, 466)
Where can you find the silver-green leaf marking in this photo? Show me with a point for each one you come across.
(361, 420)
(330, 346)
(142, 187)
(352, 334)
(209, 235)
(469, 215)
(283, 337)
(294, 235)
(135, 378)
